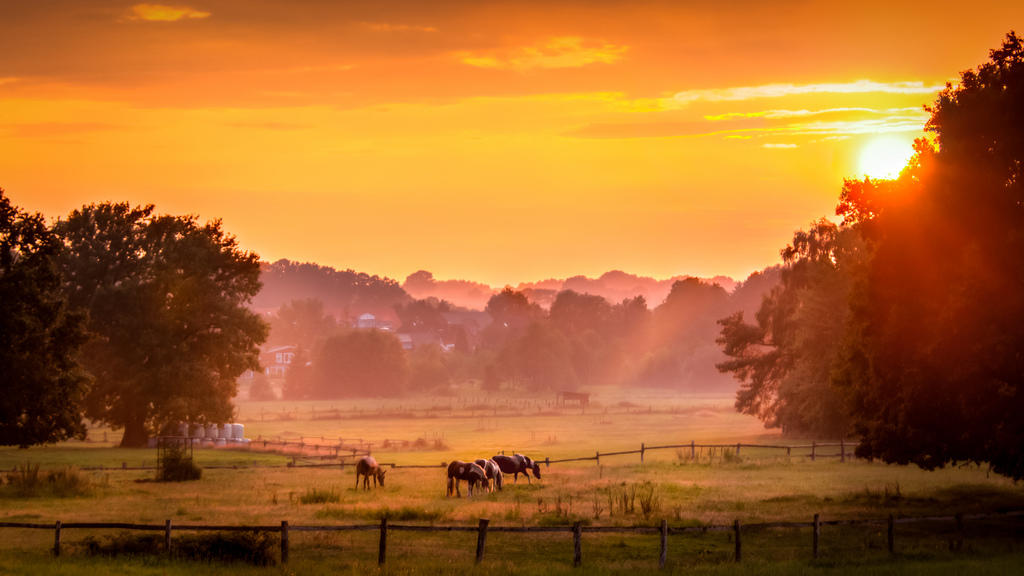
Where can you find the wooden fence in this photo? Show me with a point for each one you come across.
(692, 450)
(663, 530)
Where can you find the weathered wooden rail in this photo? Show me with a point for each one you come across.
(845, 451)
(663, 530)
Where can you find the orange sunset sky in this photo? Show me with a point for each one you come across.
(494, 141)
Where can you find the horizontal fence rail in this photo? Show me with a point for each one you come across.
(347, 455)
(577, 530)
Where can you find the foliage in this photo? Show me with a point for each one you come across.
(27, 481)
(177, 466)
(933, 361)
(784, 362)
(260, 389)
(302, 323)
(344, 293)
(357, 363)
(253, 547)
(167, 302)
(43, 383)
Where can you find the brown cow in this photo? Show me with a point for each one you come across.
(366, 467)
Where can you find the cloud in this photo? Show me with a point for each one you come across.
(777, 114)
(8, 80)
(165, 13)
(774, 146)
(742, 126)
(389, 27)
(742, 93)
(561, 52)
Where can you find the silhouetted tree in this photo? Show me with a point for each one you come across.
(511, 312)
(43, 384)
(301, 323)
(934, 357)
(168, 304)
(784, 362)
(361, 363)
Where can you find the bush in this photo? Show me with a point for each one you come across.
(252, 547)
(27, 481)
(176, 466)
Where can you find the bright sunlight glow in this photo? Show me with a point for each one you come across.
(885, 157)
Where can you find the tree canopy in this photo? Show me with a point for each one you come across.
(43, 383)
(934, 362)
(167, 303)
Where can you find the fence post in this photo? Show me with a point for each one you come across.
(382, 552)
(693, 447)
(167, 536)
(481, 539)
(736, 534)
(664, 544)
(817, 535)
(842, 450)
(814, 445)
(642, 452)
(788, 451)
(56, 539)
(284, 541)
(891, 538)
(738, 448)
(597, 457)
(577, 546)
(547, 462)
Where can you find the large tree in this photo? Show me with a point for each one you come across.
(167, 301)
(43, 384)
(784, 362)
(934, 361)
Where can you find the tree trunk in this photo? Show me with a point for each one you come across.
(135, 434)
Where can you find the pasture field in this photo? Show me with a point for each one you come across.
(755, 486)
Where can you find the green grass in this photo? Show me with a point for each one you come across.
(753, 488)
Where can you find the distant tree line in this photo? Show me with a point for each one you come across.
(904, 325)
(582, 340)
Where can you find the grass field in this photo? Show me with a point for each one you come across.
(753, 487)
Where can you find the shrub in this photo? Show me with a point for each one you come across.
(251, 547)
(68, 482)
(177, 467)
(28, 481)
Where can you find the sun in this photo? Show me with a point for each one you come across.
(885, 157)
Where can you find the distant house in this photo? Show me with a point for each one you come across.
(276, 361)
(370, 322)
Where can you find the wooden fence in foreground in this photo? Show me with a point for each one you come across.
(483, 528)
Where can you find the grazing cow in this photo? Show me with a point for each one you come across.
(366, 467)
(493, 474)
(471, 472)
(517, 464)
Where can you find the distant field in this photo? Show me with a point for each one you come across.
(753, 487)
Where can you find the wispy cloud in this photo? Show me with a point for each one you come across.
(742, 93)
(390, 27)
(781, 114)
(774, 146)
(562, 52)
(165, 13)
(8, 80)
